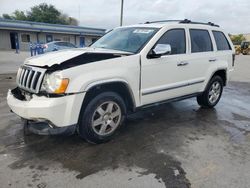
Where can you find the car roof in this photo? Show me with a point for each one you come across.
(53, 42)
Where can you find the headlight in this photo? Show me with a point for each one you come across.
(54, 83)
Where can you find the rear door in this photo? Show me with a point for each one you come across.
(223, 48)
(201, 56)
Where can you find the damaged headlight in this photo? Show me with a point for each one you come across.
(54, 83)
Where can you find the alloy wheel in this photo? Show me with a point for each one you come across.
(214, 92)
(106, 118)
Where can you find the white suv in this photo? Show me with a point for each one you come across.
(129, 68)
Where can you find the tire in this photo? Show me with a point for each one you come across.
(101, 118)
(205, 99)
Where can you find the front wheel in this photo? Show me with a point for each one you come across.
(102, 117)
(211, 96)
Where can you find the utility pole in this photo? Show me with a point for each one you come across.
(121, 18)
(79, 12)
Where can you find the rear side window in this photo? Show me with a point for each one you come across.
(221, 41)
(200, 41)
(177, 40)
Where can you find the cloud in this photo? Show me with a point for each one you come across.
(233, 15)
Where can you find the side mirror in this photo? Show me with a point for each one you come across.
(160, 50)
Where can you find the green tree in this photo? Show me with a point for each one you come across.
(6, 16)
(19, 15)
(42, 13)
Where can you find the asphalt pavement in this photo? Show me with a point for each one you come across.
(173, 145)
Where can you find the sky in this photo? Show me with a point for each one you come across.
(232, 15)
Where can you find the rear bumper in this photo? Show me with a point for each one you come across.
(57, 111)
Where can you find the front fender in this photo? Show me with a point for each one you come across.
(124, 69)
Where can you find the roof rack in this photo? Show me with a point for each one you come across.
(185, 21)
(162, 21)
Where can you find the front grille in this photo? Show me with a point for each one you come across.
(30, 78)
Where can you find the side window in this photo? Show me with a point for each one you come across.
(221, 41)
(62, 44)
(200, 41)
(25, 38)
(177, 40)
(70, 45)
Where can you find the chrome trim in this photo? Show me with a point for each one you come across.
(172, 87)
(28, 80)
(182, 63)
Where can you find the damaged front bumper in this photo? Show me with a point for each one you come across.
(56, 111)
(44, 128)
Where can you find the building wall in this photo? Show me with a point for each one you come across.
(5, 43)
(87, 40)
(56, 37)
(24, 45)
(5, 40)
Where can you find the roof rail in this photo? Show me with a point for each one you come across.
(162, 21)
(185, 21)
(191, 22)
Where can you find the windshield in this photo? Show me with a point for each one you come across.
(129, 39)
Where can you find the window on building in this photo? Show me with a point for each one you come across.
(176, 39)
(66, 39)
(200, 41)
(221, 41)
(49, 38)
(25, 38)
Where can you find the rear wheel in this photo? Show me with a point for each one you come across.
(102, 117)
(211, 96)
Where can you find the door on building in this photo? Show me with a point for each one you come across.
(82, 42)
(14, 40)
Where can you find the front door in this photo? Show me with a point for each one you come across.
(168, 76)
(14, 40)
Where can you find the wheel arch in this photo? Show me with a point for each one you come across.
(118, 86)
(222, 73)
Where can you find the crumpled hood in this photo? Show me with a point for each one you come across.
(58, 57)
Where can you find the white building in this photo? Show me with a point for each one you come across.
(24, 32)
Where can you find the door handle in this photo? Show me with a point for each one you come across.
(183, 63)
(212, 60)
